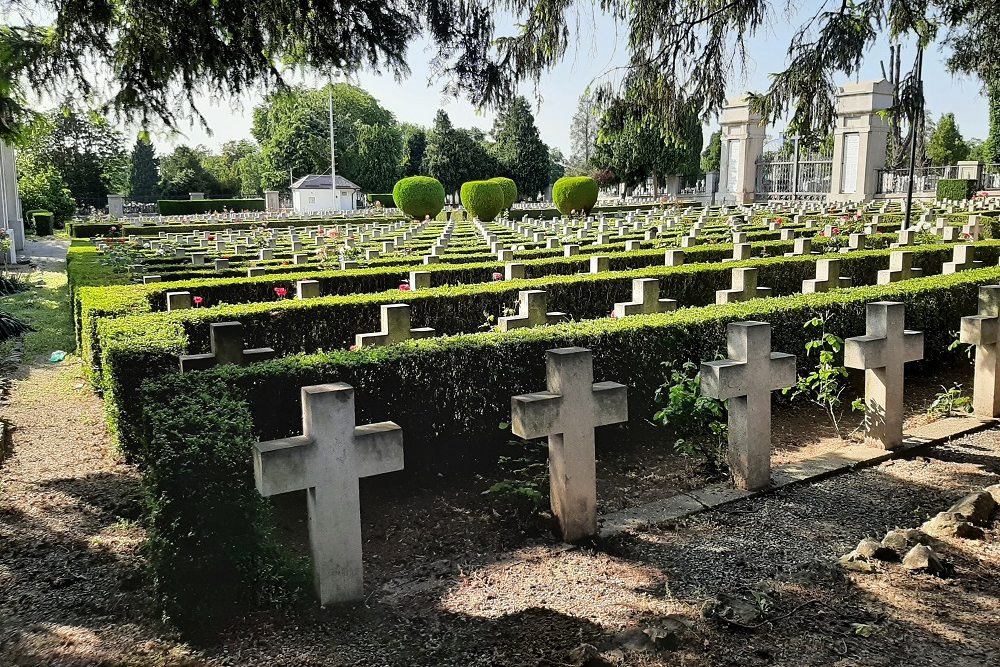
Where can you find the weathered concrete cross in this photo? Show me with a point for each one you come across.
(900, 268)
(327, 461)
(567, 414)
(746, 380)
(983, 331)
(531, 307)
(827, 277)
(744, 288)
(226, 341)
(395, 320)
(882, 352)
(645, 299)
(963, 258)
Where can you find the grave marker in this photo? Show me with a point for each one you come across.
(226, 344)
(645, 299)
(531, 312)
(744, 282)
(983, 331)
(395, 327)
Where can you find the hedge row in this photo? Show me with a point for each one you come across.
(441, 391)
(86, 230)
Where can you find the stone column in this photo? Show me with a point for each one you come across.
(742, 146)
(971, 170)
(271, 200)
(196, 195)
(859, 140)
(116, 206)
(10, 202)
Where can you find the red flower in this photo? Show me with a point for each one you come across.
(281, 292)
(835, 231)
(404, 287)
(211, 237)
(497, 276)
(114, 229)
(197, 300)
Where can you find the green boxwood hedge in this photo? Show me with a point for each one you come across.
(509, 190)
(195, 206)
(575, 193)
(383, 198)
(483, 199)
(955, 189)
(419, 196)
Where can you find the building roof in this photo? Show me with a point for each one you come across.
(322, 182)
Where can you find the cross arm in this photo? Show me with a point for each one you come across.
(610, 403)
(782, 370)
(379, 448)
(196, 362)
(979, 330)
(865, 352)
(913, 345)
(534, 415)
(258, 354)
(723, 379)
(280, 466)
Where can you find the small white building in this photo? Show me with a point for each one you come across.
(313, 194)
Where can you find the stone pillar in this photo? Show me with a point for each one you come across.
(116, 206)
(10, 202)
(196, 195)
(971, 170)
(859, 140)
(271, 200)
(672, 185)
(742, 146)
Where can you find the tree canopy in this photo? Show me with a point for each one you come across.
(144, 175)
(520, 150)
(946, 145)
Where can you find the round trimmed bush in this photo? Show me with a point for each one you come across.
(483, 199)
(419, 196)
(575, 193)
(509, 190)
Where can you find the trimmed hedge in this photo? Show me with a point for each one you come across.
(383, 198)
(509, 190)
(464, 384)
(43, 221)
(483, 199)
(956, 189)
(575, 193)
(419, 196)
(194, 206)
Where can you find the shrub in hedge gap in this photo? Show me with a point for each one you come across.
(419, 196)
(509, 191)
(44, 221)
(483, 199)
(955, 189)
(575, 193)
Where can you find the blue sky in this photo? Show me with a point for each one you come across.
(601, 47)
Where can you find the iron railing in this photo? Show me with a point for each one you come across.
(809, 175)
(925, 179)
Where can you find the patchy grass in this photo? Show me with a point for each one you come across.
(46, 308)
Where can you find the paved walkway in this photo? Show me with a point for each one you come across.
(47, 249)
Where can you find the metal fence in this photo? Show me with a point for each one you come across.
(925, 179)
(806, 176)
(990, 178)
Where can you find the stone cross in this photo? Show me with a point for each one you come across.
(514, 271)
(827, 277)
(855, 242)
(645, 299)
(983, 331)
(326, 462)
(419, 280)
(395, 319)
(178, 301)
(900, 268)
(963, 258)
(673, 258)
(801, 246)
(906, 237)
(226, 343)
(567, 414)
(531, 307)
(744, 283)
(881, 352)
(746, 380)
(306, 289)
(741, 252)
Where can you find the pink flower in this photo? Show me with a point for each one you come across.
(281, 292)
(612, 315)
(198, 300)
(114, 229)
(835, 231)
(353, 348)
(497, 276)
(404, 287)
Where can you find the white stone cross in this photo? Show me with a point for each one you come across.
(800, 246)
(744, 283)
(855, 242)
(567, 414)
(746, 380)
(882, 352)
(226, 343)
(983, 331)
(827, 277)
(531, 312)
(900, 268)
(395, 321)
(645, 299)
(906, 237)
(741, 252)
(179, 301)
(327, 461)
(963, 258)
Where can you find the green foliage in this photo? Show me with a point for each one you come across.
(419, 196)
(955, 189)
(376, 145)
(520, 150)
(483, 199)
(946, 145)
(991, 148)
(144, 177)
(193, 206)
(711, 157)
(575, 193)
(384, 199)
(455, 155)
(950, 401)
(523, 494)
(43, 221)
(41, 187)
(414, 147)
(698, 423)
(183, 171)
(509, 188)
(583, 135)
(824, 383)
(236, 169)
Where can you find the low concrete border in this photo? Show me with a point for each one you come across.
(838, 461)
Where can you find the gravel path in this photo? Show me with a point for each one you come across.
(73, 591)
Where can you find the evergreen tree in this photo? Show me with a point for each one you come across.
(414, 147)
(520, 150)
(991, 147)
(946, 145)
(144, 176)
(711, 157)
(583, 134)
(442, 159)
(183, 171)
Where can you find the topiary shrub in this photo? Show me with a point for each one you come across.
(383, 198)
(43, 222)
(575, 193)
(955, 189)
(483, 199)
(419, 196)
(509, 190)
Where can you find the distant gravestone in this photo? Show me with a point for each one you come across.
(567, 413)
(226, 344)
(963, 258)
(327, 461)
(531, 312)
(395, 327)
(983, 331)
(827, 278)
(645, 299)
(900, 268)
(744, 288)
